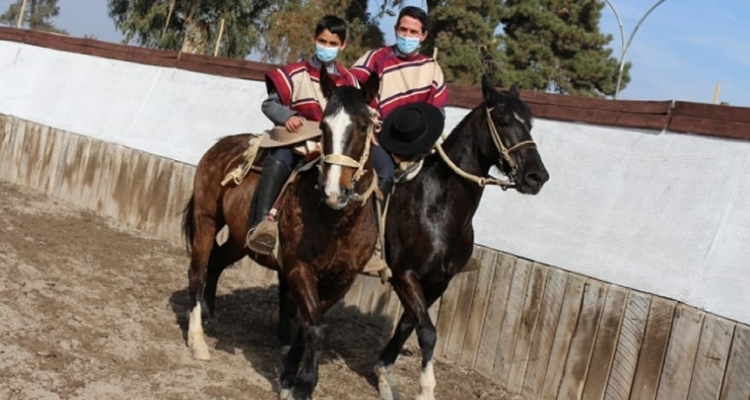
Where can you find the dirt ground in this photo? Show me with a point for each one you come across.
(91, 310)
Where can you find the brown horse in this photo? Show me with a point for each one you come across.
(429, 233)
(327, 229)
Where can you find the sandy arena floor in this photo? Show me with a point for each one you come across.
(91, 310)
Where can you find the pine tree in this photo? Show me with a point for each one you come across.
(556, 45)
(38, 15)
(193, 25)
(459, 29)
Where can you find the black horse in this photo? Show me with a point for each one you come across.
(430, 236)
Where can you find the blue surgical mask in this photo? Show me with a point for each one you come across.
(326, 54)
(407, 45)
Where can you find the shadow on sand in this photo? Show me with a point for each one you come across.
(243, 323)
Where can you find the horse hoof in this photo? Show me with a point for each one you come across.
(423, 396)
(285, 394)
(201, 353)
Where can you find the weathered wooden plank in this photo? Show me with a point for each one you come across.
(368, 292)
(478, 311)
(375, 309)
(683, 347)
(582, 343)
(654, 349)
(502, 278)
(606, 344)
(13, 150)
(512, 320)
(711, 360)
(737, 377)
(448, 304)
(527, 327)
(351, 299)
(544, 334)
(566, 326)
(461, 316)
(629, 345)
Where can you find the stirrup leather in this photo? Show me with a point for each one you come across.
(377, 265)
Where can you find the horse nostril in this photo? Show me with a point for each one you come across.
(537, 177)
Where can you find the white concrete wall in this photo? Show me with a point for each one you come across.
(664, 213)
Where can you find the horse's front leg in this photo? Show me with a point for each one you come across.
(303, 288)
(287, 313)
(416, 302)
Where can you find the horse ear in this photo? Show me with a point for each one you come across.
(488, 90)
(515, 91)
(327, 85)
(371, 87)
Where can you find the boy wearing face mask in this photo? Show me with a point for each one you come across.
(294, 96)
(406, 76)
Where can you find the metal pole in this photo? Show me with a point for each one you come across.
(625, 46)
(20, 15)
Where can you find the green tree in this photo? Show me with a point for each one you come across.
(556, 45)
(290, 35)
(458, 30)
(193, 25)
(38, 15)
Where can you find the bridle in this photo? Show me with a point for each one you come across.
(346, 161)
(505, 153)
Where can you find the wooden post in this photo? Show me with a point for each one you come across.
(218, 40)
(20, 15)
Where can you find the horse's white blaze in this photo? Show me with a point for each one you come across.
(427, 383)
(338, 124)
(196, 341)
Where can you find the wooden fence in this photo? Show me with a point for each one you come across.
(538, 330)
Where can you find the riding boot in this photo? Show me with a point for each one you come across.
(261, 236)
(377, 263)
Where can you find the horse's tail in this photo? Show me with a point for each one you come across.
(188, 226)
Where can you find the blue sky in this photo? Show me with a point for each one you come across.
(682, 50)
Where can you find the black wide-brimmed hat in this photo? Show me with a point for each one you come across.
(411, 129)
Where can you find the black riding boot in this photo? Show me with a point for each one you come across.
(261, 235)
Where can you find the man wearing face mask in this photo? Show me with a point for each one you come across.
(406, 77)
(295, 101)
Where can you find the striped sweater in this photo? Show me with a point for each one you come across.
(298, 87)
(402, 80)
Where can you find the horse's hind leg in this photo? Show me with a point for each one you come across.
(220, 259)
(203, 244)
(416, 304)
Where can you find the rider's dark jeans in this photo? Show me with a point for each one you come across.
(285, 155)
(382, 162)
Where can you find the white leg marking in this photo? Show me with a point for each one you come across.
(196, 341)
(384, 382)
(427, 383)
(338, 123)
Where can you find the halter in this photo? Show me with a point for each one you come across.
(504, 153)
(346, 161)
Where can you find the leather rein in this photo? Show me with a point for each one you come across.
(501, 148)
